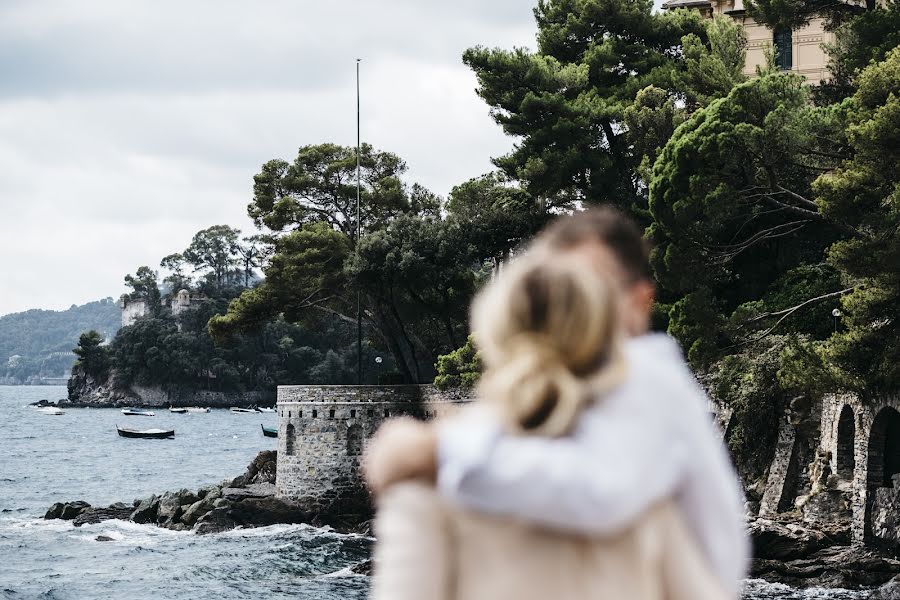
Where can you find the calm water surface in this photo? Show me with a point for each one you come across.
(78, 456)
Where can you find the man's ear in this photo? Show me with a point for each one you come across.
(644, 293)
(641, 296)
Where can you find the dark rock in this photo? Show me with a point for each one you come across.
(215, 521)
(169, 509)
(146, 511)
(784, 541)
(259, 512)
(828, 506)
(196, 510)
(889, 591)
(254, 490)
(363, 568)
(835, 567)
(96, 515)
(103, 538)
(67, 510)
(261, 470)
(886, 518)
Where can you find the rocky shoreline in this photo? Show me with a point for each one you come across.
(246, 501)
(86, 392)
(803, 556)
(785, 551)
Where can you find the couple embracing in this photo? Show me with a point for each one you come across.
(588, 467)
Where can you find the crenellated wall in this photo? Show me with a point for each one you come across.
(322, 432)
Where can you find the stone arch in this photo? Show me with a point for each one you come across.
(846, 443)
(290, 440)
(354, 440)
(884, 448)
(882, 460)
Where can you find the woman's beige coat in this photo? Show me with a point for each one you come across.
(428, 551)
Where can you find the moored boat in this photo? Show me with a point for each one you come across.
(154, 434)
(197, 409)
(266, 409)
(237, 410)
(51, 410)
(177, 410)
(137, 412)
(269, 431)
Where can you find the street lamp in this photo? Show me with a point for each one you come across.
(836, 313)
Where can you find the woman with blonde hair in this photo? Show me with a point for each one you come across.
(550, 337)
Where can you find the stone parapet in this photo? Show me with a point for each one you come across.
(323, 430)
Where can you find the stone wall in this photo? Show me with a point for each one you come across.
(322, 432)
(868, 448)
(776, 497)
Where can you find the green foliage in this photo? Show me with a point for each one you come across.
(865, 193)
(567, 101)
(144, 285)
(214, 249)
(864, 39)
(35, 335)
(93, 357)
(748, 383)
(460, 368)
(737, 227)
(320, 187)
(712, 68)
(797, 13)
(414, 268)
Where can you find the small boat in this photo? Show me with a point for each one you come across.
(138, 412)
(154, 434)
(197, 409)
(51, 410)
(269, 431)
(236, 410)
(176, 410)
(266, 409)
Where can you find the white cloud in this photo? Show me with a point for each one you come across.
(127, 127)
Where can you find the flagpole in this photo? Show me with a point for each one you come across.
(358, 233)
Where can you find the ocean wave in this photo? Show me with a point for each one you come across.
(759, 589)
(345, 572)
(282, 529)
(128, 533)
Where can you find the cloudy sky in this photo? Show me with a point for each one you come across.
(125, 127)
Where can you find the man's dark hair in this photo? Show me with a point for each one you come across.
(607, 226)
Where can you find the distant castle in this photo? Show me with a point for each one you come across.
(135, 308)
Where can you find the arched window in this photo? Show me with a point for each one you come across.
(354, 440)
(290, 439)
(846, 438)
(783, 39)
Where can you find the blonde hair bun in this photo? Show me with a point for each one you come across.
(549, 333)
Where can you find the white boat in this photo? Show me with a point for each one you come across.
(137, 412)
(196, 409)
(177, 410)
(235, 409)
(266, 409)
(51, 410)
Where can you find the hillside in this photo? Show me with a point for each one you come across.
(28, 339)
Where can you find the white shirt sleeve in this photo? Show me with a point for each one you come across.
(596, 482)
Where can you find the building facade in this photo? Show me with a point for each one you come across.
(800, 50)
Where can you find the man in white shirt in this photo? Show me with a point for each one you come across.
(649, 440)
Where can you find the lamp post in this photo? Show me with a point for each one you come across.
(836, 313)
(358, 233)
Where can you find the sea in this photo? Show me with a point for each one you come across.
(78, 456)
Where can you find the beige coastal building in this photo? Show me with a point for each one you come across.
(800, 50)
